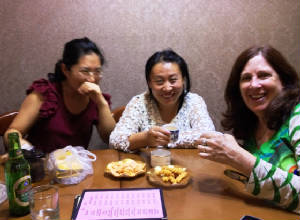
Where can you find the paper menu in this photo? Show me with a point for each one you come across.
(121, 204)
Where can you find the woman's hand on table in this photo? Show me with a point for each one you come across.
(223, 148)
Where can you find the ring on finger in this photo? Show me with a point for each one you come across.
(204, 142)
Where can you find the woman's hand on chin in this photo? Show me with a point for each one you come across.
(93, 91)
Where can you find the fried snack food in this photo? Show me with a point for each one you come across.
(126, 168)
(171, 173)
(63, 164)
(66, 165)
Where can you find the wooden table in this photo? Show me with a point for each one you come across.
(68, 192)
(210, 194)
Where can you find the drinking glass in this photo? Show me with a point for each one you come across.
(43, 202)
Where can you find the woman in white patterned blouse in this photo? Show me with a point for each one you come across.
(168, 100)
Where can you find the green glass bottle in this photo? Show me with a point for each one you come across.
(17, 177)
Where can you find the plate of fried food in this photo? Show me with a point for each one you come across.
(126, 168)
(169, 176)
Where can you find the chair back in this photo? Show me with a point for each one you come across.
(117, 113)
(5, 120)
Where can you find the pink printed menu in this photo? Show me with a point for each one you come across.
(121, 204)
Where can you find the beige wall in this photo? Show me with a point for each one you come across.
(208, 34)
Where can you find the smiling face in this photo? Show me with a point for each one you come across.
(166, 83)
(259, 84)
(88, 69)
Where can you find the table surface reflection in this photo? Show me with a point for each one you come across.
(209, 195)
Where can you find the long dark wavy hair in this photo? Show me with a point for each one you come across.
(238, 117)
(73, 50)
(169, 56)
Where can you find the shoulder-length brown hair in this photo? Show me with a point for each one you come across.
(238, 117)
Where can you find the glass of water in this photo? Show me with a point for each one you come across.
(44, 203)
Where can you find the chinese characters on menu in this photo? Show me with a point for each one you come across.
(124, 204)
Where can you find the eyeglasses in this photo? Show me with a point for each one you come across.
(88, 72)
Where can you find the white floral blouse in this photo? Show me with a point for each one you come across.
(142, 113)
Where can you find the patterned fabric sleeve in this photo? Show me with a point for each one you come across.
(294, 133)
(198, 119)
(128, 124)
(269, 182)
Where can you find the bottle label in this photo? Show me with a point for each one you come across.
(21, 190)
